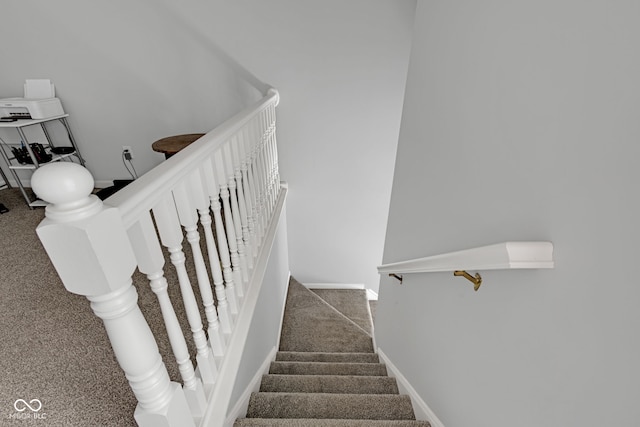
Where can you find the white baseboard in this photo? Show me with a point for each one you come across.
(239, 410)
(372, 295)
(421, 409)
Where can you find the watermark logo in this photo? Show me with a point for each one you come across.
(21, 405)
(28, 410)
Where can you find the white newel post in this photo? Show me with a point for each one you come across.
(89, 248)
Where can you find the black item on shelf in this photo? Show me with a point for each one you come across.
(62, 150)
(22, 155)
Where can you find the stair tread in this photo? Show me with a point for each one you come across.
(328, 368)
(359, 384)
(310, 356)
(330, 405)
(311, 422)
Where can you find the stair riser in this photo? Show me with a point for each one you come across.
(302, 368)
(292, 356)
(328, 384)
(334, 406)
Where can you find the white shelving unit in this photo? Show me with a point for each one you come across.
(12, 162)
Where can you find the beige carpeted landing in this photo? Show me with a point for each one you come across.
(322, 328)
(350, 302)
(52, 347)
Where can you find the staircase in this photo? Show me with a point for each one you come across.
(326, 372)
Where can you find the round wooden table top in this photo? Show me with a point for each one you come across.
(172, 144)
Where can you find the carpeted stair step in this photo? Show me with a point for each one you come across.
(330, 405)
(306, 356)
(326, 373)
(322, 368)
(308, 422)
(346, 384)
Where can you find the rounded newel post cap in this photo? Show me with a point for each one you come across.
(67, 187)
(274, 91)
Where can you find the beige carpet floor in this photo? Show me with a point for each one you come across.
(52, 347)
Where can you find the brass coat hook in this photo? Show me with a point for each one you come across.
(396, 277)
(477, 280)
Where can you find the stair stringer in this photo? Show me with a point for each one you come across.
(240, 408)
(420, 408)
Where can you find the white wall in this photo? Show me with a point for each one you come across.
(520, 123)
(340, 68)
(132, 72)
(128, 73)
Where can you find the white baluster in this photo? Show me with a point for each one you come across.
(275, 176)
(266, 162)
(237, 152)
(228, 221)
(254, 179)
(269, 160)
(235, 212)
(171, 236)
(261, 174)
(251, 188)
(188, 219)
(242, 262)
(202, 204)
(150, 262)
(223, 248)
(246, 160)
(89, 248)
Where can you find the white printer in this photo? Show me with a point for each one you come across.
(24, 108)
(39, 102)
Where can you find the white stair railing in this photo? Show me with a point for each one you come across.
(499, 256)
(224, 190)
